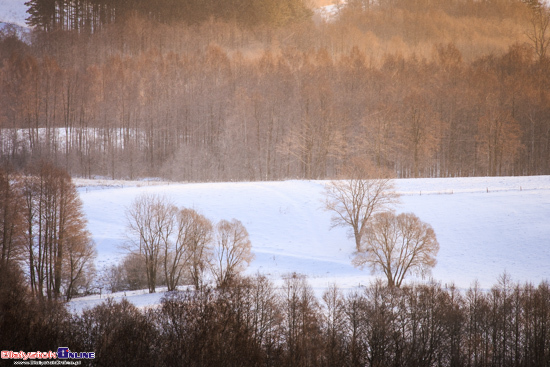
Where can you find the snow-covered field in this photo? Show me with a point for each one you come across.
(485, 226)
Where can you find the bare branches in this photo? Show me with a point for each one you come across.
(181, 243)
(43, 227)
(232, 252)
(538, 32)
(398, 245)
(12, 240)
(354, 201)
(195, 238)
(57, 242)
(150, 223)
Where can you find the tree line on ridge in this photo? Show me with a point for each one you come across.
(219, 101)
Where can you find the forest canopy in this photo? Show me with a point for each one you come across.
(91, 15)
(421, 88)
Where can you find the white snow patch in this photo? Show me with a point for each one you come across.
(485, 226)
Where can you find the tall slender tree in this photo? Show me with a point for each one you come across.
(54, 226)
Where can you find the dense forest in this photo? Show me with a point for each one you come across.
(423, 88)
(43, 230)
(92, 15)
(251, 323)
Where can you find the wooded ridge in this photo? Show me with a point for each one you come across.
(425, 89)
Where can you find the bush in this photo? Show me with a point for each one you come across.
(28, 323)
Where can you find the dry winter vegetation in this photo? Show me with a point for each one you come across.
(272, 90)
(424, 89)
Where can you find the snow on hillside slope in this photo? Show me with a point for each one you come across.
(485, 226)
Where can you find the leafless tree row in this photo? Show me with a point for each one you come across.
(89, 16)
(251, 323)
(43, 229)
(184, 245)
(219, 102)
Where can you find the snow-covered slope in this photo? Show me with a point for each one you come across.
(485, 226)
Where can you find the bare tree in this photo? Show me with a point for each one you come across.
(174, 251)
(499, 141)
(419, 134)
(54, 226)
(193, 245)
(150, 223)
(134, 273)
(353, 201)
(301, 321)
(397, 245)
(11, 217)
(335, 325)
(78, 267)
(169, 240)
(233, 251)
(538, 32)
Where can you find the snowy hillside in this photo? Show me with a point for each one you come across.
(485, 226)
